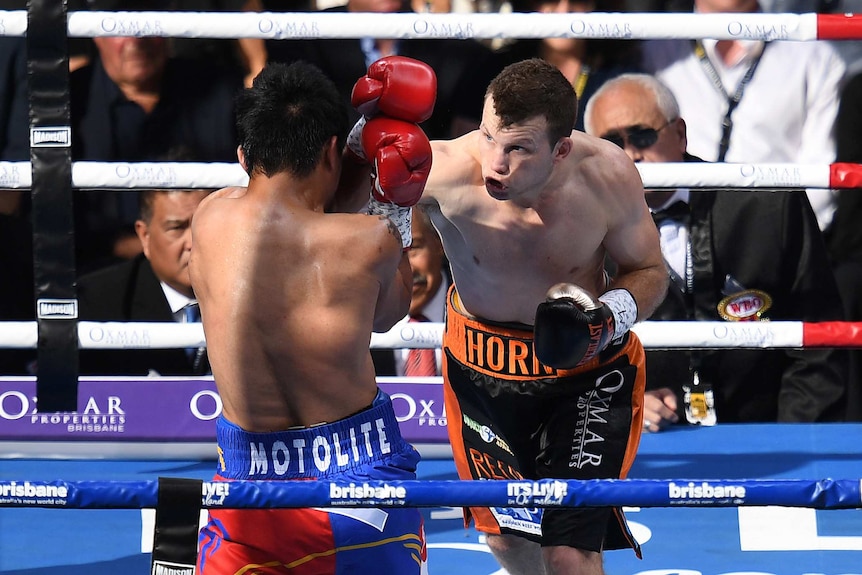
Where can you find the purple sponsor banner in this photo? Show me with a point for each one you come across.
(175, 409)
(418, 408)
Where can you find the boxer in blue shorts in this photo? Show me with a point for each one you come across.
(290, 289)
(364, 447)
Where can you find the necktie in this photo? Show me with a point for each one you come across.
(677, 211)
(420, 362)
(196, 355)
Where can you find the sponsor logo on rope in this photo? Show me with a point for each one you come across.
(352, 493)
(10, 175)
(536, 493)
(26, 493)
(282, 28)
(213, 493)
(459, 30)
(131, 26)
(583, 28)
(775, 175)
(705, 492)
(758, 31)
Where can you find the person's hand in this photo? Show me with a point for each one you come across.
(401, 157)
(659, 409)
(400, 154)
(398, 87)
(572, 327)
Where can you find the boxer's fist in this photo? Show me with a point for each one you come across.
(401, 156)
(571, 327)
(397, 86)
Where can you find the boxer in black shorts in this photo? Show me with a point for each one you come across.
(511, 417)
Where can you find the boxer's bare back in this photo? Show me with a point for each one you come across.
(285, 294)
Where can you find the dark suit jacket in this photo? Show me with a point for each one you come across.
(768, 241)
(17, 301)
(194, 117)
(454, 61)
(14, 112)
(128, 291)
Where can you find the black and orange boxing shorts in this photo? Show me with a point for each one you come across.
(510, 417)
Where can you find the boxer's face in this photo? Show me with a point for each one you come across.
(517, 160)
(167, 238)
(628, 116)
(426, 260)
(136, 62)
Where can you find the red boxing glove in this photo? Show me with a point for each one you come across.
(401, 154)
(397, 86)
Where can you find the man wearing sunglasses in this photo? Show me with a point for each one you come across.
(724, 248)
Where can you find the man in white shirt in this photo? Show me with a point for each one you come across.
(786, 97)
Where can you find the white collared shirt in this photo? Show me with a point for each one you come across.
(673, 236)
(787, 112)
(435, 311)
(177, 301)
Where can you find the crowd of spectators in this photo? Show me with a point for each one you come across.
(145, 99)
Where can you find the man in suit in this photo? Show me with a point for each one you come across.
(729, 248)
(343, 60)
(154, 286)
(135, 102)
(427, 302)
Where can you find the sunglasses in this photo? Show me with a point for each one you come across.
(639, 137)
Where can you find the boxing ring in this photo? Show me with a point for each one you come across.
(78, 486)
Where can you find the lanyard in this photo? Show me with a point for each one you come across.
(581, 80)
(732, 99)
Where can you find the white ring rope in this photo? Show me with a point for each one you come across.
(653, 334)
(298, 25)
(169, 175)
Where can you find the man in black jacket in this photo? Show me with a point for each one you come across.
(455, 61)
(154, 286)
(733, 255)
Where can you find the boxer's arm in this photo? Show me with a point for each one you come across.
(396, 289)
(632, 240)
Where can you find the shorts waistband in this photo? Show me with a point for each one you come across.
(503, 350)
(312, 452)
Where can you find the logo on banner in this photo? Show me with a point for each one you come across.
(57, 308)
(169, 568)
(423, 411)
(96, 417)
(51, 137)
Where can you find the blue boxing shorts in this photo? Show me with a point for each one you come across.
(364, 447)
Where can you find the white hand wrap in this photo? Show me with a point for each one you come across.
(400, 216)
(354, 138)
(623, 307)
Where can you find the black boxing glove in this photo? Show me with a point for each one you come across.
(572, 327)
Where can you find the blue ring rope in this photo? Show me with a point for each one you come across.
(818, 494)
